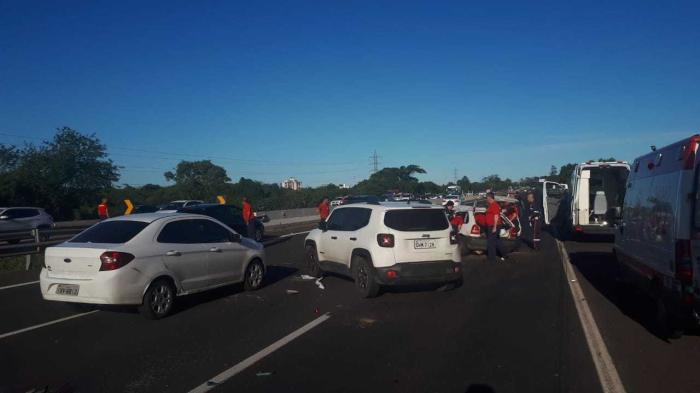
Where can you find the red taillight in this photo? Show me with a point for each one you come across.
(385, 240)
(391, 274)
(453, 237)
(113, 260)
(578, 229)
(476, 230)
(684, 265)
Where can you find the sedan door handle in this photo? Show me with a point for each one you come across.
(353, 238)
(173, 254)
(215, 249)
(334, 237)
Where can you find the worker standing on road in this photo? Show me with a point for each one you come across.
(534, 214)
(324, 209)
(493, 241)
(102, 210)
(249, 217)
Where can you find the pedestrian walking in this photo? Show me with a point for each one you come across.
(103, 209)
(249, 217)
(324, 209)
(534, 214)
(494, 247)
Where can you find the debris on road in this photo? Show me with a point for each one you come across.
(367, 322)
(319, 284)
(292, 292)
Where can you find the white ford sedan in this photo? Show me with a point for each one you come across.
(148, 260)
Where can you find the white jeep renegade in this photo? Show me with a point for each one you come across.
(385, 244)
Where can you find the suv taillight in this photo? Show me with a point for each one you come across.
(475, 230)
(453, 237)
(385, 240)
(113, 260)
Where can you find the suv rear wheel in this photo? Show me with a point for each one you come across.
(364, 276)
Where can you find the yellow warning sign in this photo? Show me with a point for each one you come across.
(221, 199)
(129, 207)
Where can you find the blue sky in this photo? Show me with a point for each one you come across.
(310, 89)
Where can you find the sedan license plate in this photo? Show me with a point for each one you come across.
(422, 244)
(67, 289)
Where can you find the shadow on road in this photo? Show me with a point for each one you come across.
(274, 274)
(479, 388)
(600, 270)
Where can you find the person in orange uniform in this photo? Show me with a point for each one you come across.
(455, 219)
(493, 241)
(249, 217)
(324, 209)
(103, 210)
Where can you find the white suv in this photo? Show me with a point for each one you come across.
(385, 244)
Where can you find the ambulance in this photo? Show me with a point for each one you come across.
(657, 244)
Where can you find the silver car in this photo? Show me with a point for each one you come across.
(16, 219)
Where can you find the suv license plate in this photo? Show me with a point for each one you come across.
(421, 244)
(67, 289)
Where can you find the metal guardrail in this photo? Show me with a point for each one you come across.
(15, 243)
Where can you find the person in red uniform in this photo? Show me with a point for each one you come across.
(493, 241)
(324, 209)
(249, 217)
(455, 219)
(103, 210)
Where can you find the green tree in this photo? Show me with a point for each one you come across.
(60, 175)
(464, 183)
(198, 179)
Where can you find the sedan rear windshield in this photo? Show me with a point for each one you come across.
(415, 220)
(111, 232)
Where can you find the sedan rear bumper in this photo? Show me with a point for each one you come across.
(103, 289)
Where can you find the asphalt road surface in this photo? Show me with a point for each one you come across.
(512, 327)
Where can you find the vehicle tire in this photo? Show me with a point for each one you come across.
(364, 276)
(258, 235)
(159, 300)
(254, 275)
(311, 265)
(463, 246)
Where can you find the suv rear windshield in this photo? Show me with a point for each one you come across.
(111, 232)
(415, 220)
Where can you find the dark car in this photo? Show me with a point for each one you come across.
(229, 215)
(144, 209)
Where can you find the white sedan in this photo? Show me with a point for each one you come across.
(148, 260)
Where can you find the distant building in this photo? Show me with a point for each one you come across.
(343, 186)
(292, 184)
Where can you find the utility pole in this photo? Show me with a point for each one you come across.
(455, 175)
(374, 162)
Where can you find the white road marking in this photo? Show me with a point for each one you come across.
(607, 373)
(5, 335)
(18, 285)
(221, 378)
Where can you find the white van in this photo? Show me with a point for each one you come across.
(597, 191)
(657, 244)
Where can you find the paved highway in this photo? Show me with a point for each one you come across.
(512, 327)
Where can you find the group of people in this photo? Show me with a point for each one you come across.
(495, 249)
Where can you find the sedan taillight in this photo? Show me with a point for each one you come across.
(475, 230)
(113, 260)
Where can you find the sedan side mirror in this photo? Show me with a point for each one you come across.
(235, 238)
(323, 226)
